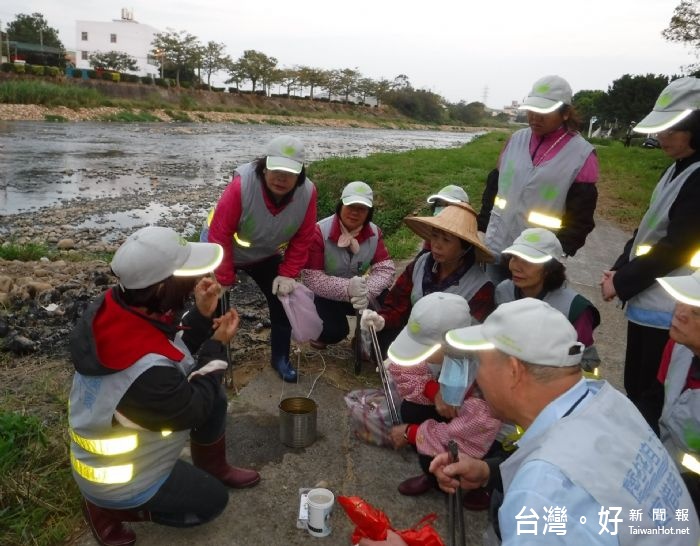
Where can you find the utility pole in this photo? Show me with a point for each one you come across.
(41, 43)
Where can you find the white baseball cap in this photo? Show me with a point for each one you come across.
(675, 103)
(357, 193)
(431, 317)
(153, 253)
(685, 289)
(451, 194)
(536, 245)
(528, 329)
(285, 153)
(547, 95)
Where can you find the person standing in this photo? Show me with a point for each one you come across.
(545, 177)
(265, 222)
(138, 394)
(663, 244)
(679, 372)
(349, 265)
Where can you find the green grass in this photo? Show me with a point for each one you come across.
(129, 116)
(178, 116)
(23, 253)
(627, 178)
(48, 94)
(402, 182)
(56, 118)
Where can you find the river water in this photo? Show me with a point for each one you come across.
(43, 164)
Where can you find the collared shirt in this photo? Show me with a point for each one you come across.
(541, 487)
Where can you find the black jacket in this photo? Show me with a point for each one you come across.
(676, 248)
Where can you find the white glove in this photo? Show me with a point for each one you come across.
(371, 318)
(357, 288)
(359, 302)
(210, 367)
(283, 286)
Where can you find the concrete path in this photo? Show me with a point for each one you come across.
(266, 515)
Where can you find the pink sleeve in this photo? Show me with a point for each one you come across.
(410, 381)
(297, 251)
(590, 171)
(223, 225)
(474, 429)
(324, 285)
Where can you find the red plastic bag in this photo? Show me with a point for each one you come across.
(374, 524)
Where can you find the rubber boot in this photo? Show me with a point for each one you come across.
(285, 370)
(107, 525)
(212, 459)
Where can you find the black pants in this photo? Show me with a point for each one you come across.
(644, 348)
(415, 414)
(334, 316)
(191, 496)
(263, 273)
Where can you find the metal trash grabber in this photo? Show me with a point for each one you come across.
(224, 306)
(457, 536)
(383, 374)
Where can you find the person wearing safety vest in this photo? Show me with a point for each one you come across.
(679, 372)
(663, 244)
(440, 400)
(536, 272)
(453, 265)
(139, 396)
(265, 221)
(348, 267)
(545, 177)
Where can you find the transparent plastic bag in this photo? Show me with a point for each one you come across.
(301, 312)
(369, 414)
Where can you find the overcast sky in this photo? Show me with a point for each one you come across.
(460, 49)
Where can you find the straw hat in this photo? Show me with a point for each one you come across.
(457, 219)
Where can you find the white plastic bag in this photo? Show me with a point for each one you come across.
(302, 315)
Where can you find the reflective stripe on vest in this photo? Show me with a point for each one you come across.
(544, 220)
(105, 474)
(500, 202)
(107, 446)
(695, 260)
(237, 239)
(691, 463)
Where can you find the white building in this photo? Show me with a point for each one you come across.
(124, 35)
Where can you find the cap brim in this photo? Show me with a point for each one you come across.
(357, 200)
(528, 254)
(540, 105)
(423, 227)
(404, 351)
(204, 258)
(660, 121)
(277, 163)
(684, 289)
(445, 198)
(470, 338)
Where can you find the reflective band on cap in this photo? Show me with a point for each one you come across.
(537, 218)
(691, 463)
(106, 474)
(109, 446)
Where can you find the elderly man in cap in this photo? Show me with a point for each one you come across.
(588, 469)
(680, 374)
(545, 176)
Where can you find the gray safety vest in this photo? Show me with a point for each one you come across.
(607, 449)
(654, 306)
(467, 286)
(261, 234)
(680, 417)
(118, 466)
(562, 300)
(524, 188)
(339, 262)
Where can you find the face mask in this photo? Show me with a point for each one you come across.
(438, 210)
(456, 378)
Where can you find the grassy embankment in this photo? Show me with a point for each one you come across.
(39, 503)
